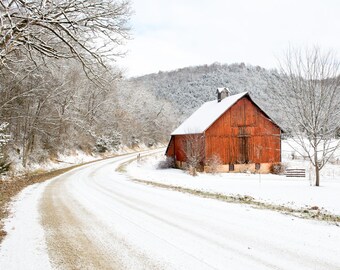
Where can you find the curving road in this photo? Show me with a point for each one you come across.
(96, 218)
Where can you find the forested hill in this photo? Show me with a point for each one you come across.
(187, 88)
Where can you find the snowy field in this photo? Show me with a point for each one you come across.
(268, 188)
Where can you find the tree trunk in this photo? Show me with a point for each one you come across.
(317, 169)
(27, 149)
(317, 175)
(24, 153)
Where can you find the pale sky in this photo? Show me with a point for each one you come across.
(171, 34)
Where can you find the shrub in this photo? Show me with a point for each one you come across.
(110, 142)
(213, 163)
(278, 168)
(167, 163)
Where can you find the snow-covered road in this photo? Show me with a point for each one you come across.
(96, 218)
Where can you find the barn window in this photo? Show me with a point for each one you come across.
(231, 167)
(257, 166)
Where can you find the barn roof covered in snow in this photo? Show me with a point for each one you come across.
(207, 114)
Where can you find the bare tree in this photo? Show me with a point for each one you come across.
(149, 120)
(88, 31)
(194, 151)
(310, 100)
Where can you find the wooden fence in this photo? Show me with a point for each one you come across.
(295, 173)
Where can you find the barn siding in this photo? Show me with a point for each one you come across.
(179, 148)
(179, 142)
(244, 126)
(170, 151)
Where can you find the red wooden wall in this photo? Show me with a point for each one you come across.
(244, 134)
(178, 145)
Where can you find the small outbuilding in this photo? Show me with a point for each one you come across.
(232, 130)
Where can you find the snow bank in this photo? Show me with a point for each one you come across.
(72, 157)
(24, 224)
(276, 189)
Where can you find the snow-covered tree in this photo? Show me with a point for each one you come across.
(89, 31)
(309, 97)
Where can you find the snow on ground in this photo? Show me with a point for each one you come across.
(136, 226)
(70, 158)
(269, 188)
(25, 236)
(61, 161)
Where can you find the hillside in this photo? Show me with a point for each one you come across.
(187, 88)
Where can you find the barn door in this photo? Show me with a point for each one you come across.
(243, 147)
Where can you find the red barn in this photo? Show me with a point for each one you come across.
(234, 129)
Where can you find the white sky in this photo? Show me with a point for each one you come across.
(170, 34)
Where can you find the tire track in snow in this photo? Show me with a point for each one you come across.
(68, 244)
(95, 218)
(208, 232)
(77, 240)
(205, 235)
